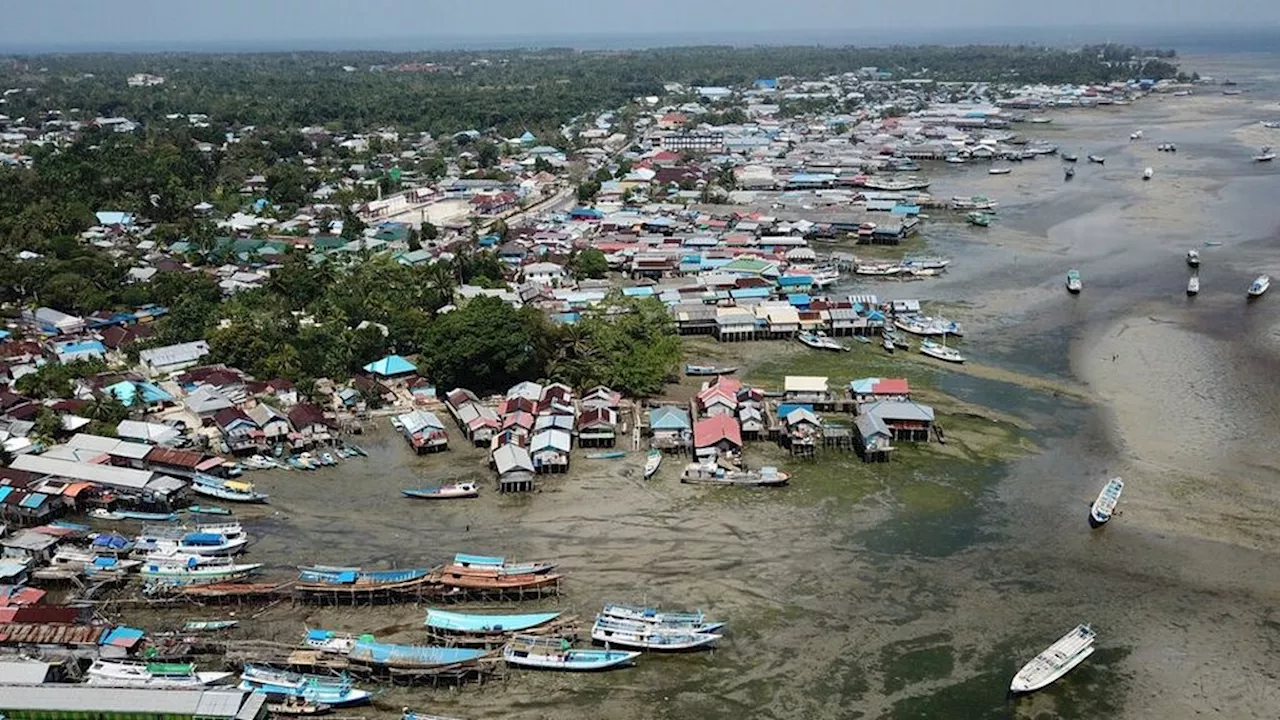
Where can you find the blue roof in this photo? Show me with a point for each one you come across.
(863, 385)
(745, 293)
(584, 212)
(795, 281)
(81, 346)
(799, 299)
(34, 500)
(111, 217)
(786, 408)
(126, 634)
(127, 392)
(668, 417)
(390, 365)
(4, 334)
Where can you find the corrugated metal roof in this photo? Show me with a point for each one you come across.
(100, 474)
(133, 701)
(23, 672)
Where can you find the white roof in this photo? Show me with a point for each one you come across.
(510, 458)
(151, 432)
(174, 354)
(112, 446)
(23, 672)
(805, 383)
(552, 439)
(101, 474)
(419, 420)
(207, 398)
(131, 701)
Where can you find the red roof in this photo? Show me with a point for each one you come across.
(712, 430)
(891, 386)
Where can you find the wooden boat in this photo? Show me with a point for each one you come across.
(1193, 285)
(122, 673)
(407, 714)
(297, 706)
(940, 351)
(704, 474)
(329, 641)
(447, 622)
(703, 370)
(322, 577)
(652, 462)
(1056, 660)
(1070, 157)
(198, 542)
(463, 562)
(975, 202)
(610, 455)
(547, 653)
(472, 579)
(91, 561)
(232, 490)
(445, 492)
(1104, 507)
(647, 636)
(368, 651)
(163, 573)
(208, 510)
(208, 625)
(332, 691)
(1074, 283)
(694, 619)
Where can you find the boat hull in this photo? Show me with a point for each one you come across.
(440, 494)
(574, 660)
(1022, 689)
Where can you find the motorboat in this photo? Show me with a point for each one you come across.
(1193, 285)
(711, 474)
(1098, 159)
(1260, 286)
(444, 492)
(1148, 173)
(553, 653)
(646, 636)
(1105, 506)
(1056, 660)
(940, 351)
(819, 341)
(1070, 157)
(1265, 155)
(113, 673)
(652, 463)
(1193, 258)
(694, 619)
(999, 171)
(1074, 283)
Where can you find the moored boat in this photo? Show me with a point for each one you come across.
(1097, 159)
(332, 691)
(1070, 157)
(1147, 173)
(1105, 505)
(329, 641)
(941, 351)
(1074, 283)
(208, 510)
(232, 490)
(208, 625)
(999, 171)
(647, 636)
(447, 622)
(1193, 258)
(163, 573)
(980, 219)
(368, 651)
(325, 576)
(1056, 660)
(549, 653)
(122, 673)
(444, 492)
(297, 706)
(1265, 155)
(199, 542)
(706, 474)
(1259, 286)
(652, 462)
(704, 370)
(887, 342)
(975, 202)
(819, 341)
(607, 455)
(1068, 172)
(1193, 285)
(499, 564)
(694, 619)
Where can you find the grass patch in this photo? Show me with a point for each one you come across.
(914, 661)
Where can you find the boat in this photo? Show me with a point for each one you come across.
(704, 370)
(1057, 660)
(329, 641)
(1040, 120)
(208, 625)
(877, 269)
(549, 653)
(1193, 285)
(709, 474)
(652, 462)
(208, 510)
(329, 577)
(648, 636)
(332, 691)
(999, 171)
(638, 613)
(975, 202)
(486, 563)
(1097, 159)
(1105, 506)
(1074, 283)
(927, 326)
(887, 343)
(232, 490)
(1135, 135)
(368, 651)
(297, 706)
(448, 622)
(1259, 286)
(190, 573)
(819, 341)
(862, 339)
(941, 351)
(195, 543)
(1193, 258)
(896, 184)
(493, 580)
(407, 714)
(444, 492)
(980, 219)
(119, 673)
(104, 514)
(327, 460)
(1070, 157)
(260, 462)
(1068, 172)
(91, 561)
(927, 262)
(956, 160)
(608, 455)
(1265, 155)
(1146, 174)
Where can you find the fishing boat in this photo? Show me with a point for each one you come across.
(887, 343)
(118, 673)
(208, 510)
(999, 171)
(694, 619)
(358, 450)
(329, 641)
(90, 561)
(232, 490)
(190, 573)
(896, 184)
(104, 514)
(881, 269)
(332, 691)
(980, 219)
(446, 622)
(327, 460)
(862, 339)
(1068, 172)
(1057, 660)
(260, 462)
(1097, 159)
(195, 626)
(820, 341)
(941, 351)
(1193, 285)
(326, 576)
(956, 159)
(548, 653)
(652, 462)
(1040, 120)
(410, 657)
(297, 706)
(195, 543)
(927, 326)
(1074, 283)
(445, 492)
(1193, 258)
(709, 474)
(463, 561)
(704, 370)
(927, 262)
(1265, 155)
(975, 202)
(494, 581)
(1105, 506)
(1070, 157)
(1135, 135)
(607, 455)
(648, 636)
(1259, 286)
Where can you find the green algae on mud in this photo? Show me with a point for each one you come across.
(918, 660)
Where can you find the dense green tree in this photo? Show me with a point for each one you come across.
(628, 344)
(485, 345)
(588, 189)
(429, 231)
(589, 263)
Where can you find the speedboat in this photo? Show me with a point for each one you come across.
(1193, 258)
(1105, 506)
(941, 351)
(1193, 285)
(1265, 155)
(1056, 660)
(1097, 159)
(1260, 286)
(1074, 283)
(1146, 174)
(999, 171)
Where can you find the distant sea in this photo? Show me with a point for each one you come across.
(1188, 40)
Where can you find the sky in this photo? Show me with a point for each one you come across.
(67, 24)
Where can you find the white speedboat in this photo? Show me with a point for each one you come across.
(1074, 283)
(648, 636)
(652, 463)
(1193, 258)
(819, 341)
(1146, 174)
(941, 351)
(999, 171)
(1057, 660)
(1265, 156)
(151, 675)
(1105, 506)
(1260, 286)
(1193, 285)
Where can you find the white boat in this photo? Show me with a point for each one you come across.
(647, 636)
(888, 344)
(999, 171)
(976, 202)
(1260, 286)
(1146, 174)
(1105, 506)
(1265, 155)
(151, 675)
(1057, 660)
(552, 653)
(878, 269)
(1193, 258)
(1097, 159)
(88, 561)
(1040, 120)
(1135, 135)
(444, 492)
(896, 184)
(652, 463)
(927, 262)
(928, 326)
(956, 160)
(819, 341)
(332, 691)
(694, 619)
(1193, 285)
(194, 573)
(941, 351)
(1074, 283)
(233, 490)
(197, 542)
(329, 641)
(711, 474)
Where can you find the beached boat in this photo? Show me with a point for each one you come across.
(150, 675)
(1074, 283)
(694, 619)
(1259, 286)
(260, 462)
(975, 202)
(927, 326)
(558, 654)
(444, 492)
(329, 641)
(368, 651)
(887, 343)
(980, 219)
(648, 636)
(895, 184)
(160, 572)
(1057, 660)
(232, 490)
(1097, 159)
(493, 581)
(499, 564)
(652, 462)
(819, 341)
(407, 714)
(862, 339)
(999, 171)
(1265, 155)
(704, 370)
(104, 514)
(1105, 506)
(297, 706)
(195, 626)
(91, 561)
(332, 691)
(197, 543)
(1193, 258)
(1135, 135)
(448, 622)
(1068, 172)
(208, 510)
(607, 455)
(345, 577)
(1070, 157)
(327, 460)
(1193, 285)
(927, 262)
(705, 474)
(881, 269)
(956, 159)
(941, 351)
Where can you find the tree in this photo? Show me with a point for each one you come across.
(429, 231)
(499, 228)
(542, 164)
(589, 263)
(630, 345)
(487, 153)
(588, 190)
(486, 346)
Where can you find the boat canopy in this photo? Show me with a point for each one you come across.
(470, 622)
(464, 559)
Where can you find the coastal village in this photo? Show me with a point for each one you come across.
(748, 225)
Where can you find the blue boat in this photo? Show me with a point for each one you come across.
(208, 510)
(371, 652)
(610, 455)
(557, 654)
(322, 575)
(331, 691)
(499, 565)
(233, 490)
(472, 623)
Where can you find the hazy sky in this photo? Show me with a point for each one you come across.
(62, 23)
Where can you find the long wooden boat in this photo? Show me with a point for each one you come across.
(391, 655)
(493, 562)
(693, 619)
(296, 706)
(557, 654)
(705, 370)
(310, 578)
(208, 510)
(647, 636)
(479, 580)
(231, 490)
(444, 492)
(151, 675)
(447, 622)
(208, 625)
(608, 455)
(702, 474)
(335, 692)
(329, 641)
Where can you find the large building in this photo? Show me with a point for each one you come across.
(709, 142)
(80, 702)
